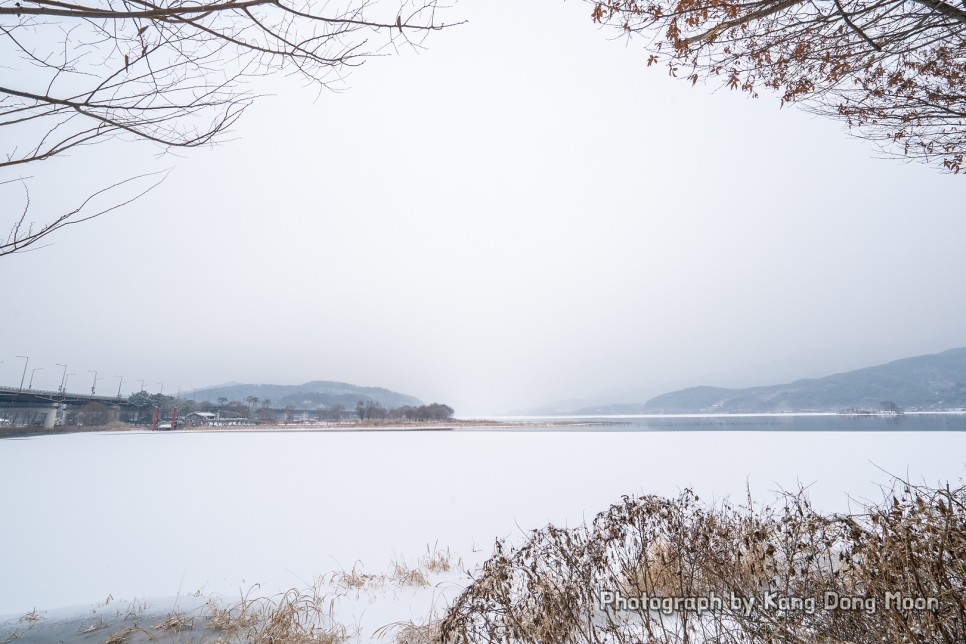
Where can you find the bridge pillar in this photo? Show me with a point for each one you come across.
(51, 418)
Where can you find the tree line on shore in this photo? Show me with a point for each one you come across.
(369, 410)
(140, 407)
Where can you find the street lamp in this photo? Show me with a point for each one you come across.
(142, 385)
(94, 384)
(162, 388)
(26, 359)
(32, 372)
(63, 378)
(119, 385)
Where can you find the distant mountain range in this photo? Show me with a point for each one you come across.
(311, 395)
(929, 382)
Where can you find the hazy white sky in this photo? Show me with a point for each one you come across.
(522, 213)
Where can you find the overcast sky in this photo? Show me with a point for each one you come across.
(522, 213)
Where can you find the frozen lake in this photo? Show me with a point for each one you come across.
(136, 514)
(816, 422)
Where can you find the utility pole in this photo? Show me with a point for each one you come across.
(26, 359)
(93, 384)
(119, 385)
(162, 388)
(63, 378)
(32, 372)
(142, 385)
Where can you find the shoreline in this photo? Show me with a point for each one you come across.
(522, 423)
(354, 426)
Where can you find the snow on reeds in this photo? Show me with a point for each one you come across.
(894, 571)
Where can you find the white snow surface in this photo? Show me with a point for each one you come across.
(84, 517)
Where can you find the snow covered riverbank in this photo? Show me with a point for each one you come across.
(131, 514)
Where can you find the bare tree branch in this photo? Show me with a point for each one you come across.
(173, 72)
(25, 234)
(899, 79)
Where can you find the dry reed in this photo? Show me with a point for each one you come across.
(293, 617)
(560, 585)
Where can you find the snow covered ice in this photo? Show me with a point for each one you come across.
(127, 515)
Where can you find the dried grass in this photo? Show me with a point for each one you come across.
(231, 620)
(406, 576)
(96, 626)
(427, 632)
(356, 580)
(122, 635)
(436, 561)
(549, 588)
(32, 616)
(293, 617)
(174, 622)
(433, 562)
(135, 610)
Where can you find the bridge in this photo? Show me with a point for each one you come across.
(13, 399)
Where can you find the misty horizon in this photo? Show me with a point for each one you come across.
(613, 397)
(471, 225)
